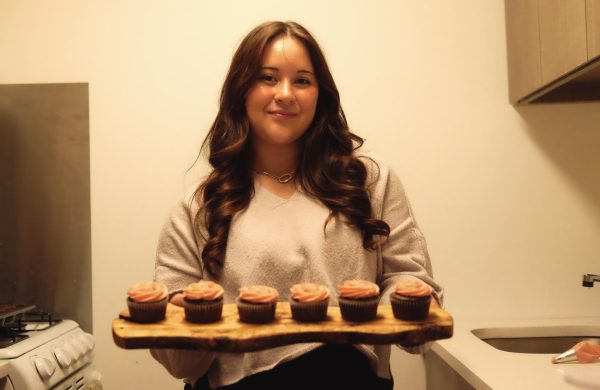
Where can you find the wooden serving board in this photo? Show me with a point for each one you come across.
(231, 335)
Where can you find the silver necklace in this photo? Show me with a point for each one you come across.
(285, 178)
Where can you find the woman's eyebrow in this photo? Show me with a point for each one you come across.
(275, 69)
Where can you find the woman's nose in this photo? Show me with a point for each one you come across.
(284, 92)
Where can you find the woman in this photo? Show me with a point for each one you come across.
(289, 200)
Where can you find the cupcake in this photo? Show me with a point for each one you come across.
(309, 302)
(257, 304)
(358, 300)
(410, 300)
(203, 302)
(147, 302)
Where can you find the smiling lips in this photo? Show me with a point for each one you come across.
(282, 113)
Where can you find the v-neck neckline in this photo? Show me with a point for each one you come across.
(271, 194)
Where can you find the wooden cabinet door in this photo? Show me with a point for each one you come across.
(563, 37)
(592, 8)
(523, 47)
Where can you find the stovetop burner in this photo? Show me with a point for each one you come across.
(10, 312)
(35, 320)
(18, 322)
(8, 338)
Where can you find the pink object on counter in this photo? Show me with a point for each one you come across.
(584, 352)
(587, 352)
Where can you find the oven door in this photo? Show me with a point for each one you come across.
(88, 378)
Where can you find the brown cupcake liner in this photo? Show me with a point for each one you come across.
(146, 312)
(359, 310)
(255, 313)
(309, 311)
(202, 311)
(410, 308)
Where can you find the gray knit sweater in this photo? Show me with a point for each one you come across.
(280, 242)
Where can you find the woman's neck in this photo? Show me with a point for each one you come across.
(275, 168)
(276, 159)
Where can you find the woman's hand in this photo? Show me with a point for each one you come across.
(177, 299)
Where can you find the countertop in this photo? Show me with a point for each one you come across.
(486, 367)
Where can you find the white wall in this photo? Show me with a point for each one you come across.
(509, 199)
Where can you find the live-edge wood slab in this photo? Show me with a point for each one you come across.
(231, 335)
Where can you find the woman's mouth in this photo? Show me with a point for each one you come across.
(282, 113)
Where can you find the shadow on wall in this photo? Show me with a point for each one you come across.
(570, 135)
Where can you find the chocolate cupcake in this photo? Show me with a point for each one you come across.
(203, 302)
(147, 302)
(358, 300)
(309, 302)
(411, 299)
(257, 304)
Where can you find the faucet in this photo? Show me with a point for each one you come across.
(589, 279)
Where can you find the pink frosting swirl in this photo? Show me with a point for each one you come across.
(259, 294)
(148, 292)
(358, 289)
(309, 292)
(413, 288)
(203, 290)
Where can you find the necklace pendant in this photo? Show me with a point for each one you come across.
(285, 178)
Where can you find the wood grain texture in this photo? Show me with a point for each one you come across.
(523, 48)
(563, 39)
(592, 12)
(231, 335)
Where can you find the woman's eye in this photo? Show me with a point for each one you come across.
(303, 81)
(268, 78)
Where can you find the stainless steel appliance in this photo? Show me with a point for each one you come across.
(45, 218)
(39, 352)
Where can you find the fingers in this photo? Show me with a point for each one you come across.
(177, 299)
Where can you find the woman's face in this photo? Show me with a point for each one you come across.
(282, 101)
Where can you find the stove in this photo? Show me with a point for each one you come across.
(39, 352)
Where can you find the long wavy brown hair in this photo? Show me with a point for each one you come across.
(328, 169)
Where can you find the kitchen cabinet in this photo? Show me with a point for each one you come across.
(553, 50)
(593, 26)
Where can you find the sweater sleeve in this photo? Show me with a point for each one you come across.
(403, 255)
(178, 263)
(178, 255)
